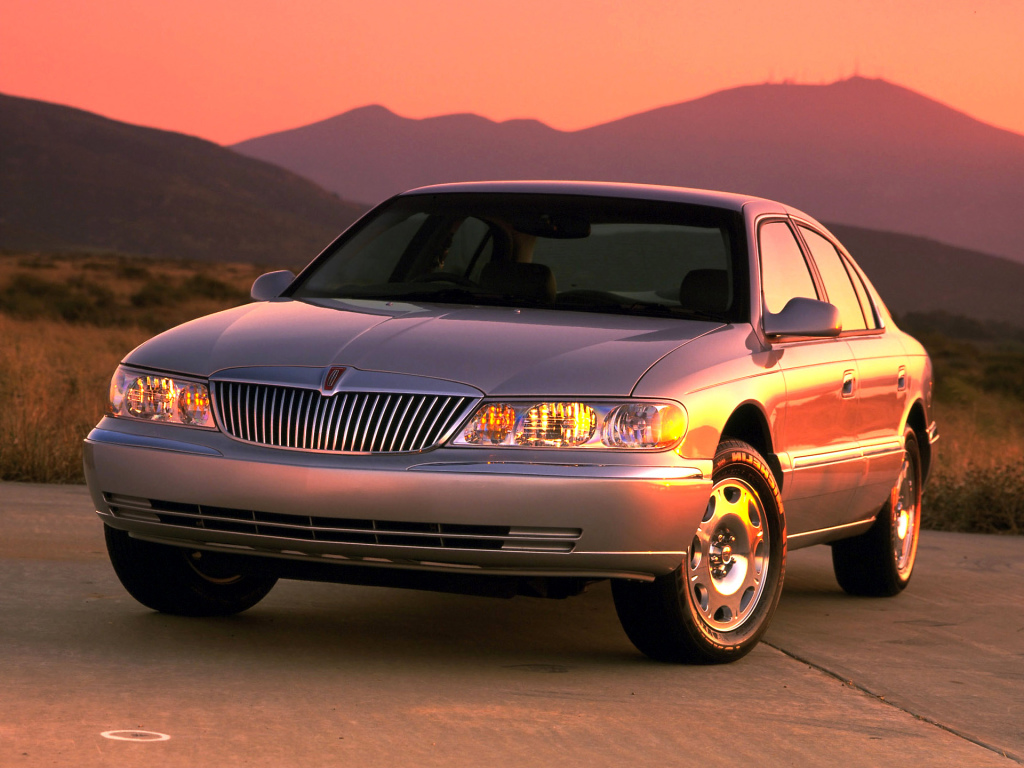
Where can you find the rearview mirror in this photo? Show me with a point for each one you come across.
(804, 317)
(555, 226)
(270, 285)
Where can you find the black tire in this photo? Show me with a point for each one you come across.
(880, 562)
(181, 581)
(716, 606)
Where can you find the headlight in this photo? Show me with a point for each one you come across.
(568, 424)
(151, 397)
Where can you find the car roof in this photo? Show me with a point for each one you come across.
(725, 200)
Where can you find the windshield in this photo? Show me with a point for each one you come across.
(561, 252)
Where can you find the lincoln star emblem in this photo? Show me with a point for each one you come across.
(333, 374)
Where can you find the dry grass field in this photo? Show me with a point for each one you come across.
(978, 480)
(66, 321)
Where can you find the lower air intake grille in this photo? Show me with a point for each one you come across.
(341, 530)
(343, 422)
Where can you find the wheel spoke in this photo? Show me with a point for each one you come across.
(727, 559)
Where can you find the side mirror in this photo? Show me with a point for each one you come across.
(804, 317)
(270, 285)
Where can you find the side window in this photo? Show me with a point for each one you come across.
(837, 280)
(784, 273)
(862, 294)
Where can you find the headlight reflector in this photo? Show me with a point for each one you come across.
(194, 404)
(574, 424)
(557, 425)
(151, 397)
(490, 425)
(643, 425)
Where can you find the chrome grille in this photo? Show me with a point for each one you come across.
(349, 422)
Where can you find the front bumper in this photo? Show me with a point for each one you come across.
(515, 513)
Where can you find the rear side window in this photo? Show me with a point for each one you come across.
(784, 272)
(870, 314)
(837, 281)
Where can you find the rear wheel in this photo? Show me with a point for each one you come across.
(879, 563)
(182, 581)
(716, 606)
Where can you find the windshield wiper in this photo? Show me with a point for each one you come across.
(700, 314)
(443, 295)
(601, 302)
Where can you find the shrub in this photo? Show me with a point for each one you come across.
(980, 500)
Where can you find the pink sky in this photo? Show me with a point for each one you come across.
(228, 70)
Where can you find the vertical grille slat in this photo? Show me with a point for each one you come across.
(324, 428)
(298, 419)
(218, 413)
(247, 414)
(263, 415)
(350, 445)
(443, 419)
(337, 424)
(343, 422)
(238, 410)
(288, 421)
(313, 409)
(366, 424)
(316, 404)
(431, 435)
(226, 399)
(420, 422)
(391, 420)
(348, 422)
(410, 423)
(273, 420)
(377, 421)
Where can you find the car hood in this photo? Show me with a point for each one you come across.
(498, 350)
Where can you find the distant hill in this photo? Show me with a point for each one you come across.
(862, 152)
(72, 180)
(914, 274)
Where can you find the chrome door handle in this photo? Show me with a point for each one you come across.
(848, 384)
(901, 379)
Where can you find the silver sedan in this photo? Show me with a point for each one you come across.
(522, 388)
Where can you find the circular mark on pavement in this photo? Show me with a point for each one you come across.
(135, 736)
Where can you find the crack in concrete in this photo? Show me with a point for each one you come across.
(878, 697)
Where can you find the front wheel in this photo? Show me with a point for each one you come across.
(181, 581)
(716, 606)
(879, 563)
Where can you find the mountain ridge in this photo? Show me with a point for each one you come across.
(863, 152)
(59, 193)
(74, 180)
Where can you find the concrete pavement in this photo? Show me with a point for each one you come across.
(326, 674)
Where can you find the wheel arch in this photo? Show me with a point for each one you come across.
(749, 424)
(918, 422)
